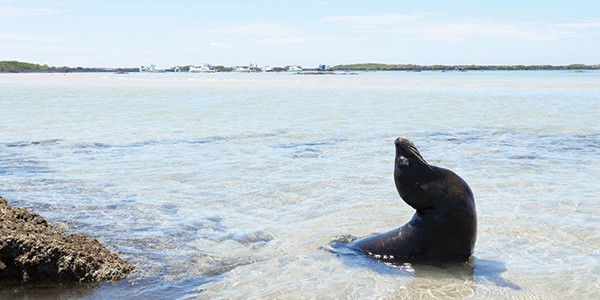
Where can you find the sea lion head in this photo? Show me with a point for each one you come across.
(408, 157)
(410, 172)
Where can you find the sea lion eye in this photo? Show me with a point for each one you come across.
(403, 161)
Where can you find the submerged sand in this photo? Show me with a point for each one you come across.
(490, 79)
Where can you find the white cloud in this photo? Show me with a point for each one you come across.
(18, 12)
(48, 48)
(220, 46)
(268, 29)
(583, 25)
(430, 26)
(280, 41)
(458, 30)
(375, 21)
(32, 38)
(211, 46)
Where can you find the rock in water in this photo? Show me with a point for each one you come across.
(32, 250)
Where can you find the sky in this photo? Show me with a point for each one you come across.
(107, 33)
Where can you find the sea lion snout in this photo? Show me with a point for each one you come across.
(405, 144)
(400, 141)
(408, 149)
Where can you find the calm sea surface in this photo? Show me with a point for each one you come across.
(232, 186)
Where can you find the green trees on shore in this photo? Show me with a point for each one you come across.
(16, 65)
(412, 67)
(550, 67)
(374, 66)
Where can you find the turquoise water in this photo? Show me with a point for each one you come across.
(231, 186)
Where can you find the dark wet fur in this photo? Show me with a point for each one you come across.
(445, 223)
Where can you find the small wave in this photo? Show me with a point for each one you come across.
(251, 238)
(11, 163)
(224, 266)
(91, 145)
(137, 144)
(529, 156)
(307, 153)
(340, 245)
(201, 140)
(309, 149)
(35, 143)
(325, 142)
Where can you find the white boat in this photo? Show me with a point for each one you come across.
(204, 69)
(242, 69)
(151, 69)
(266, 69)
(247, 69)
(294, 68)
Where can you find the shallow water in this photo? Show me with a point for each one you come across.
(232, 186)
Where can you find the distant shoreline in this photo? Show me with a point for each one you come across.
(424, 68)
(411, 67)
(72, 70)
(20, 67)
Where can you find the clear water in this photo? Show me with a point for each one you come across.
(231, 186)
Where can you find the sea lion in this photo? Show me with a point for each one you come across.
(445, 223)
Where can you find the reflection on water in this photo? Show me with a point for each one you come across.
(48, 290)
(431, 279)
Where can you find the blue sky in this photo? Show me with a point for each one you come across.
(303, 32)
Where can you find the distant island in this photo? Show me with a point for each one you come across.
(23, 67)
(411, 67)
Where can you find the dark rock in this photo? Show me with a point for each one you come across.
(31, 250)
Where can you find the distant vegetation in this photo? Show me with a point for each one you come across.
(549, 67)
(15, 65)
(373, 66)
(23, 67)
(412, 67)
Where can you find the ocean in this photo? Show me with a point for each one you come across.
(232, 186)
